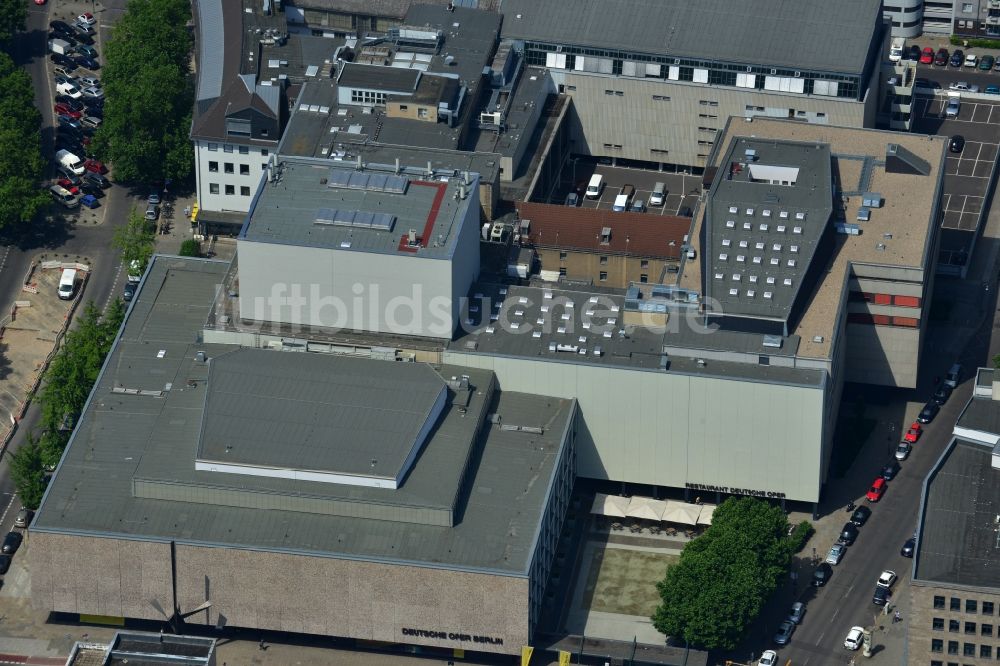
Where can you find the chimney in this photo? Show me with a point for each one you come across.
(397, 166)
(359, 166)
(411, 237)
(430, 169)
(465, 177)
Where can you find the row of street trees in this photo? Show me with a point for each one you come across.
(149, 94)
(714, 592)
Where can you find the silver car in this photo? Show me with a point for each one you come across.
(836, 553)
(797, 611)
(951, 111)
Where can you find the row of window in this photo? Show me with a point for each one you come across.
(971, 605)
(213, 188)
(970, 628)
(213, 167)
(368, 97)
(885, 299)
(882, 320)
(603, 259)
(603, 275)
(967, 649)
(228, 148)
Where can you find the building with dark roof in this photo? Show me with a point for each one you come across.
(355, 18)
(365, 498)
(654, 81)
(956, 566)
(602, 247)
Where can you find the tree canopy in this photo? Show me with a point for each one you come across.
(136, 240)
(13, 14)
(724, 577)
(149, 92)
(22, 169)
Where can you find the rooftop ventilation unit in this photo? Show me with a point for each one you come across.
(864, 214)
(849, 229)
(750, 154)
(871, 200)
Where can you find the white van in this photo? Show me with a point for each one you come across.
(621, 203)
(595, 186)
(658, 195)
(896, 49)
(70, 161)
(67, 283)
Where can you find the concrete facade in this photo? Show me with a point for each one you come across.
(606, 270)
(905, 16)
(949, 624)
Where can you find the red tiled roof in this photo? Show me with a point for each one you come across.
(636, 234)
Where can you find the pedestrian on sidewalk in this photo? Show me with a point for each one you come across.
(897, 617)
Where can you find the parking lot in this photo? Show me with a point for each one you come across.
(967, 173)
(682, 189)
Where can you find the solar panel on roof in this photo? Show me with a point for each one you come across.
(324, 216)
(383, 221)
(372, 182)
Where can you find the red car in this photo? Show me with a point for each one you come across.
(913, 434)
(927, 56)
(64, 110)
(95, 166)
(876, 491)
(67, 184)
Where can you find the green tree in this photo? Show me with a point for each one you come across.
(13, 14)
(136, 240)
(149, 93)
(28, 472)
(22, 168)
(724, 577)
(190, 248)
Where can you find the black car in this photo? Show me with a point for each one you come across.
(92, 189)
(908, 547)
(848, 533)
(129, 292)
(4, 563)
(93, 104)
(11, 542)
(942, 394)
(60, 26)
(96, 179)
(822, 575)
(957, 143)
(928, 413)
(890, 470)
(74, 104)
(881, 596)
(62, 61)
(861, 515)
(83, 37)
(86, 61)
(914, 53)
(69, 143)
(957, 58)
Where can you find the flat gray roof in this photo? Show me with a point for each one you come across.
(338, 415)
(982, 414)
(762, 235)
(957, 544)
(376, 77)
(563, 326)
(309, 205)
(811, 34)
(122, 437)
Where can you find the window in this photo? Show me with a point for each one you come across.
(228, 167)
(213, 188)
(213, 147)
(987, 608)
(956, 604)
(609, 92)
(244, 190)
(952, 647)
(953, 626)
(969, 649)
(604, 276)
(661, 98)
(244, 150)
(226, 148)
(230, 189)
(244, 169)
(570, 88)
(986, 651)
(604, 261)
(937, 624)
(970, 628)
(644, 264)
(619, 93)
(643, 278)
(367, 97)
(970, 606)
(986, 629)
(937, 645)
(562, 256)
(422, 113)
(966, 7)
(707, 102)
(263, 132)
(263, 151)
(562, 272)
(263, 165)
(213, 167)
(404, 107)
(763, 360)
(937, 662)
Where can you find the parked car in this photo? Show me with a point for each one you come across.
(62, 61)
(86, 19)
(986, 63)
(890, 470)
(903, 450)
(83, 36)
(74, 104)
(92, 91)
(65, 110)
(928, 413)
(941, 57)
(93, 190)
(129, 292)
(152, 212)
(97, 179)
(769, 658)
(60, 26)
(881, 596)
(24, 517)
(848, 534)
(875, 493)
(87, 61)
(95, 165)
(784, 633)
(86, 50)
(963, 86)
(572, 199)
(913, 433)
(943, 393)
(67, 88)
(66, 172)
(153, 198)
(957, 58)
(926, 57)
(90, 201)
(66, 121)
(886, 579)
(908, 547)
(951, 110)
(821, 576)
(971, 60)
(855, 637)
(992, 90)
(91, 122)
(836, 554)
(5, 561)
(796, 612)
(861, 515)
(68, 185)
(11, 542)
